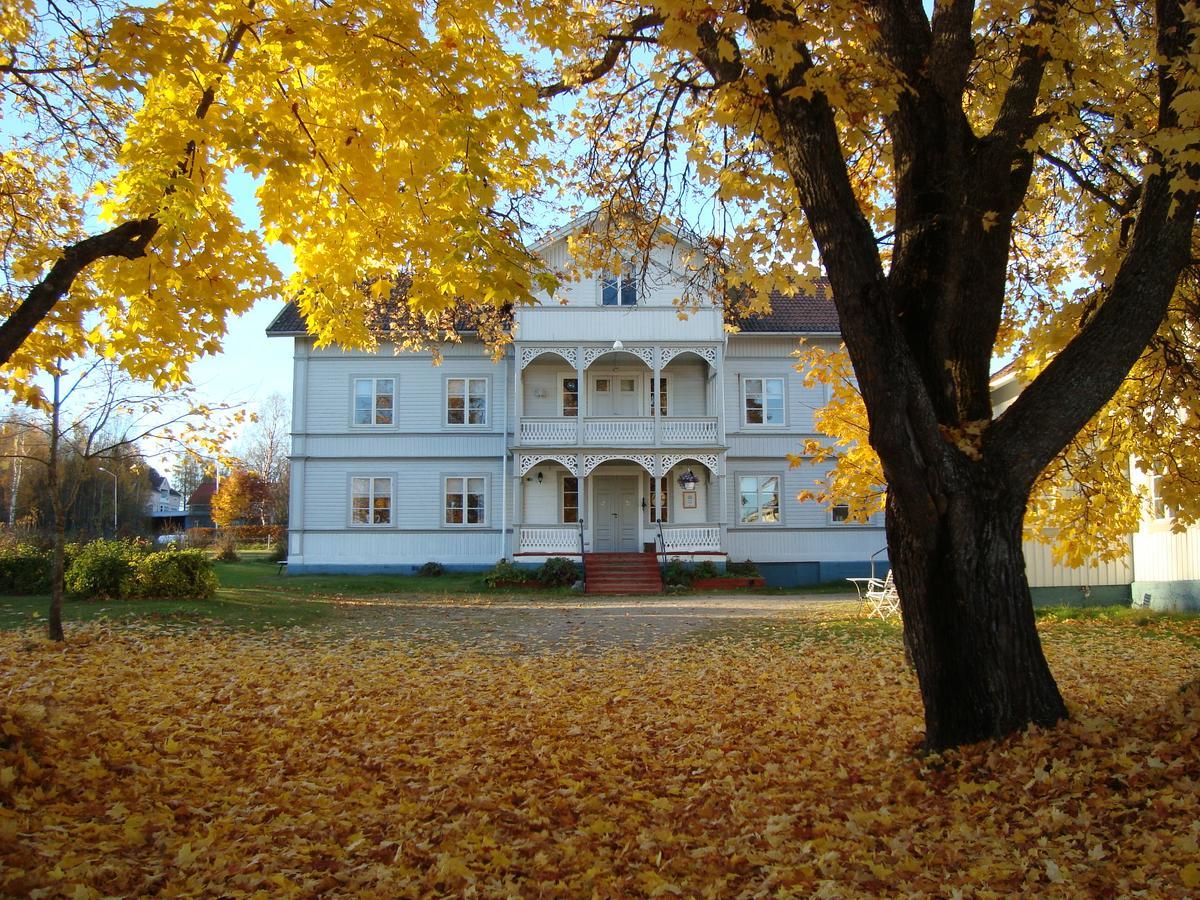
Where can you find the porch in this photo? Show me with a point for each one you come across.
(618, 396)
(576, 504)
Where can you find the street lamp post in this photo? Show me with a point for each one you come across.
(114, 478)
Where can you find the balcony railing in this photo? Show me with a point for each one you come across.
(631, 431)
(619, 431)
(552, 540)
(689, 431)
(548, 431)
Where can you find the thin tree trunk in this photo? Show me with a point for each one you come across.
(968, 616)
(54, 626)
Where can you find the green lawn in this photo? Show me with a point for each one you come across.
(254, 595)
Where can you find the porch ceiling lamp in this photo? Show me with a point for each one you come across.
(617, 345)
(688, 480)
(539, 477)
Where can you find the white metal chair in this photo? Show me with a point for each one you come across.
(879, 597)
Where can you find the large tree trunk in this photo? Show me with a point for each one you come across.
(968, 614)
(54, 625)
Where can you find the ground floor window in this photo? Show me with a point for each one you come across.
(661, 503)
(570, 500)
(759, 496)
(370, 501)
(465, 500)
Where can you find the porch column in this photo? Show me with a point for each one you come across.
(518, 511)
(518, 391)
(582, 482)
(580, 397)
(655, 390)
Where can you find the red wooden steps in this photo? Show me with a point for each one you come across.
(622, 573)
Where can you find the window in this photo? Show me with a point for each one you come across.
(839, 513)
(570, 500)
(374, 401)
(759, 496)
(763, 401)
(570, 396)
(658, 510)
(659, 390)
(465, 501)
(1158, 509)
(466, 401)
(370, 501)
(619, 290)
(601, 385)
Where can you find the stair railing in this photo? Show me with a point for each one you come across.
(661, 548)
(582, 564)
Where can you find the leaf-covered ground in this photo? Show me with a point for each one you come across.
(781, 763)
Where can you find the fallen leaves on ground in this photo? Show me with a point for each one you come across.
(210, 763)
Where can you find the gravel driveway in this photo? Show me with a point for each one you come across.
(584, 625)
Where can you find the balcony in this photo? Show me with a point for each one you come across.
(618, 431)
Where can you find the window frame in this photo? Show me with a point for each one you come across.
(374, 379)
(746, 379)
(624, 281)
(465, 477)
(661, 390)
(779, 488)
(562, 396)
(371, 477)
(466, 409)
(562, 498)
(1159, 510)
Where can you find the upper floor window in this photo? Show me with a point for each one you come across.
(466, 401)
(619, 290)
(1158, 508)
(659, 390)
(570, 396)
(759, 499)
(374, 401)
(763, 401)
(839, 513)
(465, 503)
(370, 501)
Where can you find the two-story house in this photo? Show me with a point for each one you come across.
(611, 424)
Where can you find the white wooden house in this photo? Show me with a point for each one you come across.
(611, 424)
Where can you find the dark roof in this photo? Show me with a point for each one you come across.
(792, 313)
(156, 479)
(203, 494)
(800, 312)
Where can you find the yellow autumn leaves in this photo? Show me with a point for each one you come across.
(133, 762)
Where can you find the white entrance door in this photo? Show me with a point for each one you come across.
(615, 514)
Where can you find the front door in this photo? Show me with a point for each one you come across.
(615, 514)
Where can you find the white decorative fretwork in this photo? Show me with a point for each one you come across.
(529, 460)
(691, 538)
(710, 461)
(666, 354)
(550, 540)
(618, 431)
(645, 460)
(645, 354)
(689, 431)
(548, 432)
(529, 354)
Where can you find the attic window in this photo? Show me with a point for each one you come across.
(619, 290)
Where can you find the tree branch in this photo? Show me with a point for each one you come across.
(618, 42)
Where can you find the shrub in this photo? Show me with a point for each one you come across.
(24, 569)
(677, 574)
(278, 552)
(558, 571)
(199, 537)
(225, 549)
(706, 569)
(431, 570)
(99, 569)
(172, 574)
(504, 572)
(745, 569)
